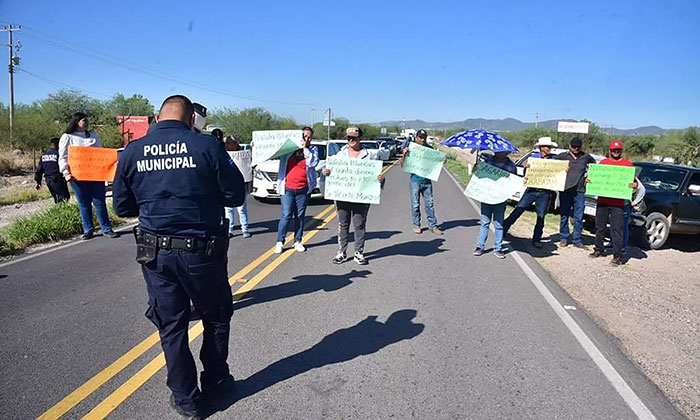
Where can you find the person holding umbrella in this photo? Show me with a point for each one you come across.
(484, 140)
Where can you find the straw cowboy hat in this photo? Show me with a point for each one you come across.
(546, 141)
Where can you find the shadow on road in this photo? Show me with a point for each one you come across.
(382, 234)
(302, 285)
(366, 337)
(411, 248)
(451, 224)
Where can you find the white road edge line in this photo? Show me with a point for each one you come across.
(64, 246)
(630, 398)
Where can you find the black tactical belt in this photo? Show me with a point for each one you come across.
(186, 243)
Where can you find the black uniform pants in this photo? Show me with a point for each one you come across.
(173, 279)
(616, 217)
(58, 188)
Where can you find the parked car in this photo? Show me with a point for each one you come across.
(375, 151)
(672, 201)
(393, 145)
(265, 173)
(521, 172)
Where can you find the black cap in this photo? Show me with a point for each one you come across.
(576, 142)
(422, 134)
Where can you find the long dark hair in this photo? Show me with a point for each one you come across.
(73, 124)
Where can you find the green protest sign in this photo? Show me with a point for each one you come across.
(424, 161)
(492, 185)
(353, 180)
(610, 181)
(272, 144)
(548, 174)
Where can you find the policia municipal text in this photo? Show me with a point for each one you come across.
(182, 242)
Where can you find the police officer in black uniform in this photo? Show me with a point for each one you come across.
(48, 167)
(178, 181)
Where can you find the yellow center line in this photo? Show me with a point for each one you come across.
(94, 383)
(120, 395)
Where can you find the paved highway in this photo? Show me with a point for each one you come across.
(425, 331)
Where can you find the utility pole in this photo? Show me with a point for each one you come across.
(313, 109)
(14, 60)
(537, 118)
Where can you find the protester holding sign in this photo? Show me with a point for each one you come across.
(495, 211)
(295, 181)
(611, 210)
(537, 196)
(242, 160)
(421, 186)
(347, 211)
(86, 192)
(574, 192)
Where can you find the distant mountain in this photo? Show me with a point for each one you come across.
(509, 124)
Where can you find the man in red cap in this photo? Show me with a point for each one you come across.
(612, 210)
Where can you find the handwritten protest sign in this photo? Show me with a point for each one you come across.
(271, 144)
(610, 181)
(492, 185)
(424, 161)
(353, 180)
(92, 163)
(548, 174)
(243, 160)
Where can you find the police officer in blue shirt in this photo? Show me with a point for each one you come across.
(178, 181)
(48, 167)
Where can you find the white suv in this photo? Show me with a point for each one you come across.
(265, 173)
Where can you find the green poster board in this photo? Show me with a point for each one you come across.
(424, 161)
(610, 181)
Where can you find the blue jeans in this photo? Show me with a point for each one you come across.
(293, 204)
(487, 211)
(426, 189)
(567, 199)
(541, 200)
(242, 216)
(88, 193)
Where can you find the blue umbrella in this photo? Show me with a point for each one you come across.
(480, 140)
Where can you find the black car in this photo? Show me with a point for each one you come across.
(672, 200)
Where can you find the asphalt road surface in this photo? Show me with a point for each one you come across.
(425, 331)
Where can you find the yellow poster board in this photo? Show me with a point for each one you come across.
(548, 174)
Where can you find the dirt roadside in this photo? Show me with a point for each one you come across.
(651, 304)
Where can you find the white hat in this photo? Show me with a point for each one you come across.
(546, 141)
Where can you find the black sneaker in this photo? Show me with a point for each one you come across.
(111, 234)
(478, 252)
(616, 261)
(87, 236)
(360, 259)
(595, 254)
(339, 258)
(223, 388)
(499, 254)
(189, 415)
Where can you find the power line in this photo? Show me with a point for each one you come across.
(62, 85)
(113, 60)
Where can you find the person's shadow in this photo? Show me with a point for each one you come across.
(302, 285)
(411, 248)
(366, 337)
(451, 224)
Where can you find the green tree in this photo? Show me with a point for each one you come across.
(60, 106)
(134, 105)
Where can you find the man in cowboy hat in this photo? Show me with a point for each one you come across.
(574, 192)
(537, 196)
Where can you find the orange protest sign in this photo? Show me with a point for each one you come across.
(92, 163)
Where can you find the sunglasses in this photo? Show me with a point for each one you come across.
(353, 139)
(615, 150)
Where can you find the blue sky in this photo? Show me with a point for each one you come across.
(625, 63)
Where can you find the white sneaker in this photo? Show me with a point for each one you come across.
(298, 247)
(278, 248)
